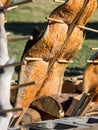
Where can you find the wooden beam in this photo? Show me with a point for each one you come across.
(18, 38)
(15, 4)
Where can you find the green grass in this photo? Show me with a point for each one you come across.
(22, 20)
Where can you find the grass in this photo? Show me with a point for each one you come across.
(22, 20)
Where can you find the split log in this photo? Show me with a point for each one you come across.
(56, 106)
(59, 41)
(50, 106)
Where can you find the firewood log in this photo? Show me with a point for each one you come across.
(55, 105)
(60, 41)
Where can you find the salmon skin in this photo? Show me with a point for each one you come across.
(48, 46)
(90, 83)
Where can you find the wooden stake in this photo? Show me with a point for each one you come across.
(16, 4)
(59, 1)
(95, 49)
(10, 110)
(92, 61)
(22, 85)
(8, 33)
(83, 27)
(21, 63)
(89, 29)
(33, 59)
(64, 61)
(55, 20)
(13, 64)
(18, 38)
(11, 8)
